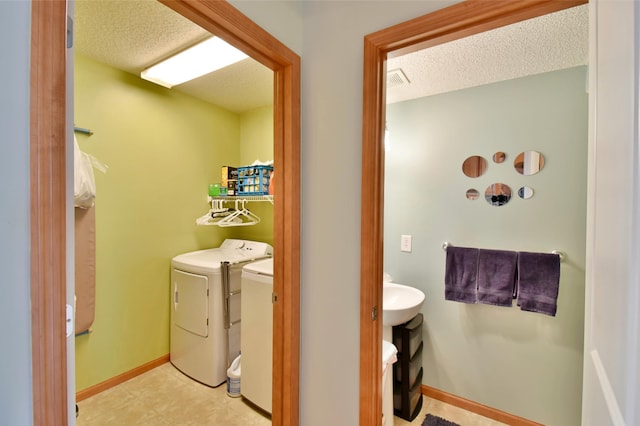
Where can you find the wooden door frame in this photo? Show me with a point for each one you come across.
(48, 199)
(444, 25)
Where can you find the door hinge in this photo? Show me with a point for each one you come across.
(374, 313)
(69, 322)
(274, 297)
(69, 32)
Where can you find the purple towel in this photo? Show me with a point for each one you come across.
(538, 282)
(497, 277)
(460, 277)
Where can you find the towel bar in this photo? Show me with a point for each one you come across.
(560, 253)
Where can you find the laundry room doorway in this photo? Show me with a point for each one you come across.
(49, 166)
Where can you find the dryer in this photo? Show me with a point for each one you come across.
(205, 329)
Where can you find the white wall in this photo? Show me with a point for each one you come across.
(332, 69)
(524, 363)
(332, 55)
(612, 323)
(281, 18)
(15, 366)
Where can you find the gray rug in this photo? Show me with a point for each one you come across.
(432, 420)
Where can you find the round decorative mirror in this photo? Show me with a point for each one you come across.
(497, 194)
(474, 166)
(525, 192)
(528, 163)
(499, 157)
(472, 194)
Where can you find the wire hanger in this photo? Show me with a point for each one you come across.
(240, 217)
(221, 216)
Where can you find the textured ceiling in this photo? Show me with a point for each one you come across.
(548, 43)
(131, 35)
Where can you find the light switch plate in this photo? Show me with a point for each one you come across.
(405, 243)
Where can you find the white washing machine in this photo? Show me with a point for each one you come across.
(257, 333)
(205, 329)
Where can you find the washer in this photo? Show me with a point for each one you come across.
(257, 333)
(198, 339)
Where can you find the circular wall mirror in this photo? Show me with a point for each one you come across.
(497, 194)
(528, 163)
(499, 157)
(525, 192)
(472, 194)
(474, 166)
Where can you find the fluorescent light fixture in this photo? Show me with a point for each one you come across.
(203, 58)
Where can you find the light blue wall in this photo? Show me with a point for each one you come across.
(332, 63)
(15, 319)
(523, 363)
(281, 18)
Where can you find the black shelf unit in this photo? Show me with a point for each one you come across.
(407, 371)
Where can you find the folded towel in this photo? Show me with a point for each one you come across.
(460, 277)
(538, 282)
(497, 277)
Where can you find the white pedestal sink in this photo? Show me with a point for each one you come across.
(400, 303)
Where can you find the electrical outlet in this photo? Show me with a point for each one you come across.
(405, 243)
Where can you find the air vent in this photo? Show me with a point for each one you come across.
(396, 78)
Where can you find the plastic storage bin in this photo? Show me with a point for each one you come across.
(407, 399)
(254, 180)
(414, 366)
(407, 337)
(410, 400)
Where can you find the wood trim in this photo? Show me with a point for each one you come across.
(225, 21)
(451, 23)
(48, 186)
(48, 212)
(121, 378)
(286, 336)
(461, 20)
(371, 229)
(477, 408)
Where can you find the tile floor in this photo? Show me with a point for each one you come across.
(166, 397)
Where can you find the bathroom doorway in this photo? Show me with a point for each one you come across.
(445, 25)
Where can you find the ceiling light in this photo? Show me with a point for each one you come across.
(203, 58)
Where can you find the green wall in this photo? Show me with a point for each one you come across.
(523, 363)
(256, 128)
(163, 149)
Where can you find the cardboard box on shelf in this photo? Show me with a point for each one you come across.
(228, 173)
(232, 187)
